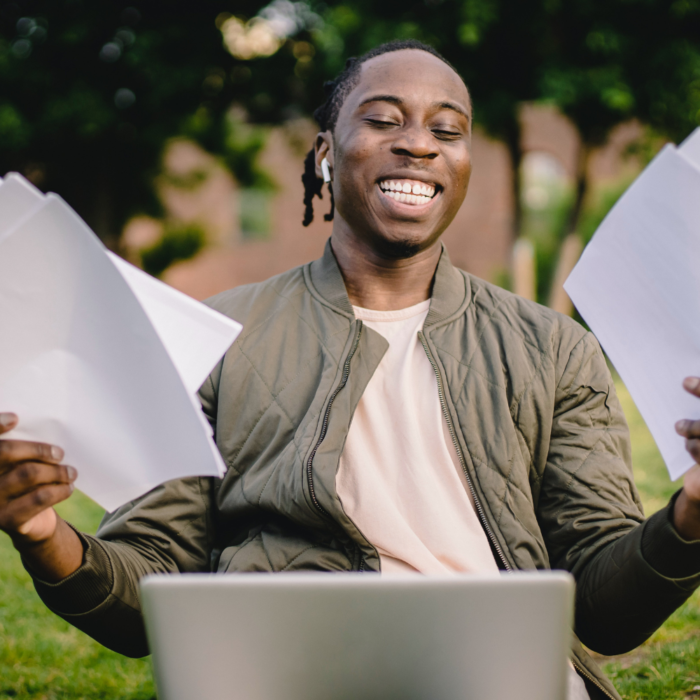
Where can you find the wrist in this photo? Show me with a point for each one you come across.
(686, 517)
(25, 544)
(54, 558)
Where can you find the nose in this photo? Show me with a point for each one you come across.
(415, 141)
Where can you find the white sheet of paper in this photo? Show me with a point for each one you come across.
(637, 285)
(690, 148)
(18, 199)
(83, 365)
(195, 336)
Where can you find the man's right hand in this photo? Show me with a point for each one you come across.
(32, 481)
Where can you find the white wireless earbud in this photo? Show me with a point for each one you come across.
(325, 169)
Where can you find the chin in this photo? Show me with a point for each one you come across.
(401, 248)
(403, 241)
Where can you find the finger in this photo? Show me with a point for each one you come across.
(692, 385)
(22, 509)
(688, 428)
(693, 447)
(27, 476)
(14, 451)
(7, 422)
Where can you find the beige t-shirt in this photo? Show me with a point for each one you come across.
(399, 478)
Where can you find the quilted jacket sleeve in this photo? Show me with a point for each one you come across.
(168, 530)
(631, 574)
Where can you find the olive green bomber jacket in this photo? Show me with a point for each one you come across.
(536, 424)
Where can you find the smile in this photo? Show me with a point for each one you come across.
(410, 192)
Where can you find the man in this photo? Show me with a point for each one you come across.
(383, 410)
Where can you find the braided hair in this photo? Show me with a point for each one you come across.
(327, 115)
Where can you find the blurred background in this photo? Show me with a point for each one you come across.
(177, 130)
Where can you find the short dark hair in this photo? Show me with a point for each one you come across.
(327, 114)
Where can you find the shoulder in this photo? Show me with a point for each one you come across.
(533, 322)
(520, 322)
(261, 299)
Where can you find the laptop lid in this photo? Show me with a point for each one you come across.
(359, 636)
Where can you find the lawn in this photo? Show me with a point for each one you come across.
(42, 657)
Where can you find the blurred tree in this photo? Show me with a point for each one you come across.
(608, 62)
(90, 92)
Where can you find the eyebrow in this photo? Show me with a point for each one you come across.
(393, 99)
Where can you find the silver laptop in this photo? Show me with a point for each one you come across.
(359, 636)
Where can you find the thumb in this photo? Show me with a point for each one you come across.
(8, 421)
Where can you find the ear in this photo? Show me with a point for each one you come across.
(324, 149)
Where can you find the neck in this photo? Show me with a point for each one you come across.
(380, 283)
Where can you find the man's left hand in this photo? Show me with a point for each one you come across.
(686, 514)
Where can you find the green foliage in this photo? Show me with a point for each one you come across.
(189, 181)
(255, 212)
(90, 93)
(603, 201)
(612, 61)
(242, 148)
(178, 242)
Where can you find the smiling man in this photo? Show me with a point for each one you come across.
(384, 411)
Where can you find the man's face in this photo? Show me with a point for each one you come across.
(401, 152)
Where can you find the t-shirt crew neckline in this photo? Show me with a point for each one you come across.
(362, 314)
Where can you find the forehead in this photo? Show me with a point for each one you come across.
(411, 74)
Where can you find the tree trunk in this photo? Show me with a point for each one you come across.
(512, 142)
(569, 253)
(581, 189)
(103, 211)
(524, 269)
(571, 247)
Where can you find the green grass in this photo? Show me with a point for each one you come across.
(667, 666)
(44, 658)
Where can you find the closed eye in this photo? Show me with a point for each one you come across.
(447, 135)
(381, 123)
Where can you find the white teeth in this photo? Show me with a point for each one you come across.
(413, 193)
(407, 198)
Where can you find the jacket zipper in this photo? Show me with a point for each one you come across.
(450, 427)
(324, 426)
(588, 676)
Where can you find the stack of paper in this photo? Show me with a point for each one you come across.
(98, 357)
(637, 285)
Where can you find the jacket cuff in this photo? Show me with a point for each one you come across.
(665, 550)
(86, 588)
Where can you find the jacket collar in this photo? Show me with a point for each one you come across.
(451, 288)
